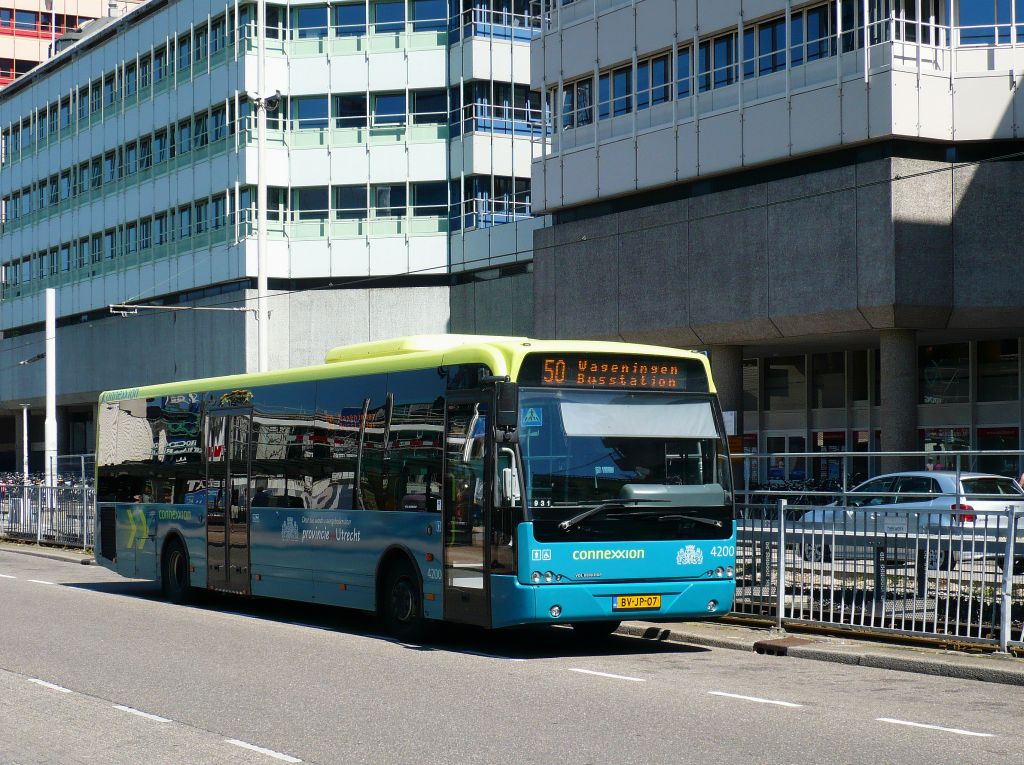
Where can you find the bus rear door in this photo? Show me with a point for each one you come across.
(467, 499)
(227, 500)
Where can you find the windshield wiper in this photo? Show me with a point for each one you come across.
(600, 506)
(673, 517)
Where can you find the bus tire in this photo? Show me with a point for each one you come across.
(595, 631)
(400, 603)
(175, 579)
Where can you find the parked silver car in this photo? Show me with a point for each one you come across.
(903, 508)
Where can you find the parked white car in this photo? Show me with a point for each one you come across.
(906, 505)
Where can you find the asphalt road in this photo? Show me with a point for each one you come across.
(97, 669)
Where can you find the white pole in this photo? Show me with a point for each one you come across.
(262, 307)
(51, 386)
(24, 442)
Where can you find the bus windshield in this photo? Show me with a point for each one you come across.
(636, 465)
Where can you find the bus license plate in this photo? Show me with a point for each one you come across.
(636, 603)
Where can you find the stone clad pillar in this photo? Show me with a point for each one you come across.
(727, 372)
(898, 373)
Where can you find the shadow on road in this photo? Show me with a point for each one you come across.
(523, 643)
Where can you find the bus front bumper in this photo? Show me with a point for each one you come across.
(515, 603)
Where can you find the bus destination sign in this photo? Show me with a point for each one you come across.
(609, 371)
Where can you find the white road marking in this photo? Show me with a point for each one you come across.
(7, 576)
(40, 581)
(489, 655)
(606, 674)
(261, 750)
(959, 731)
(754, 698)
(140, 713)
(51, 686)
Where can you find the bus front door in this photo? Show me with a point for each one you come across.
(467, 499)
(227, 501)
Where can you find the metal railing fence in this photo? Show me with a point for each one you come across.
(888, 571)
(60, 515)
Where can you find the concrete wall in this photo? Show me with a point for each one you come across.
(877, 245)
(501, 306)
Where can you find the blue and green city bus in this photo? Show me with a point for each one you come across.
(493, 481)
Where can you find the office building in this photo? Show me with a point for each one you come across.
(826, 195)
(396, 159)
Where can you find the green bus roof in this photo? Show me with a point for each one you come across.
(503, 355)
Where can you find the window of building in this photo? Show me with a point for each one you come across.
(310, 203)
(683, 73)
(184, 53)
(82, 252)
(26, 21)
(95, 94)
(818, 33)
(309, 21)
(145, 153)
(202, 216)
(200, 44)
(65, 257)
(185, 222)
(350, 202)
(109, 167)
(108, 90)
(999, 439)
(578, 103)
(218, 212)
(65, 114)
(145, 233)
(54, 191)
(96, 248)
(653, 76)
(83, 102)
(785, 383)
(109, 244)
(131, 238)
(389, 200)
(750, 385)
(828, 380)
(430, 199)
(309, 112)
(218, 124)
(145, 71)
(65, 185)
(201, 136)
(96, 173)
(160, 146)
(944, 374)
(350, 20)
(724, 48)
(51, 119)
(131, 158)
(218, 38)
(389, 109)
(614, 93)
(183, 137)
(771, 46)
(937, 441)
(429, 15)
(131, 80)
(160, 229)
(430, 107)
(997, 370)
(388, 16)
(159, 65)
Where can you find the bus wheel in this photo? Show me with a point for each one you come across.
(595, 630)
(175, 580)
(400, 606)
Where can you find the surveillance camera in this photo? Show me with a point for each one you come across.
(272, 102)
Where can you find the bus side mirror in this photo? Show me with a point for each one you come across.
(507, 410)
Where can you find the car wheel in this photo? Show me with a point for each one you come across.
(595, 631)
(400, 604)
(175, 577)
(816, 553)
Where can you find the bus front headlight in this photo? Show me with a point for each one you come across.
(535, 577)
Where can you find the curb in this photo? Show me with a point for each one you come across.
(55, 555)
(946, 665)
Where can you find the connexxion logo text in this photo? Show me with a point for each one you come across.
(606, 554)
